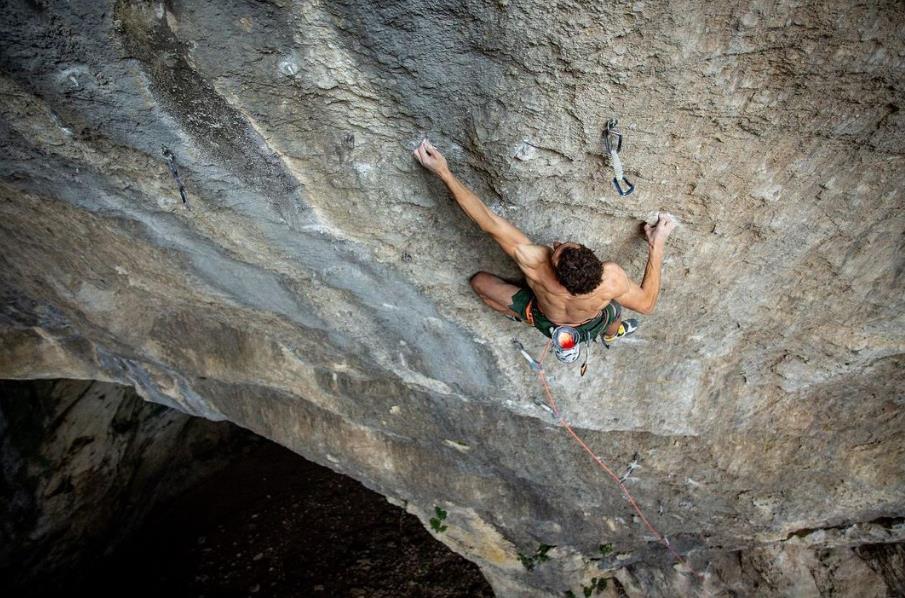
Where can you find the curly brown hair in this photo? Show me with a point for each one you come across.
(579, 270)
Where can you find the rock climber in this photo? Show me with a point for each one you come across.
(567, 283)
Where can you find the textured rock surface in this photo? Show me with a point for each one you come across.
(314, 287)
(83, 463)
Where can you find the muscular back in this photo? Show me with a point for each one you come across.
(554, 299)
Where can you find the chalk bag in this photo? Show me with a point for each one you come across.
(566, 343)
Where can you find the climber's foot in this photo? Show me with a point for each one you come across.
(626, 328)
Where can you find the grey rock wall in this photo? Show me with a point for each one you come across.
(314, 286)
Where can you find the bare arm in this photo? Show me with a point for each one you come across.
(643, 298)
(502, 231)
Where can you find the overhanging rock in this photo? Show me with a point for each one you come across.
(313, 287)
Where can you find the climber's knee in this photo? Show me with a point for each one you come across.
(494, 291)
(480, 281)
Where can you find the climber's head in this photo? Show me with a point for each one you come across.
(577, 268)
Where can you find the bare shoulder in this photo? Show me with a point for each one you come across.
(615, 281)
(532, 256)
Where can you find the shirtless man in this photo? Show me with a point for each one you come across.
(568, 285)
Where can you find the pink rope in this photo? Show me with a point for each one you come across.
(562, 422)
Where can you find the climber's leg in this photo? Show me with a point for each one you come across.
(614, 315)
(612, 329)
(617, 327)
(495, 292)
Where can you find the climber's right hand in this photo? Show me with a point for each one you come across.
(657, 234)
(431, 158)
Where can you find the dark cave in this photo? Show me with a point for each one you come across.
(196, 508)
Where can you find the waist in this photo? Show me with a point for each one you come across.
(591, 320)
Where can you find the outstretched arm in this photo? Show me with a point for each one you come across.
(643, 298)
(502, 231)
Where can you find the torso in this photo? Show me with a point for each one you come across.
(553, 299)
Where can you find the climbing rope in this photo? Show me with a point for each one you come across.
(628, 496)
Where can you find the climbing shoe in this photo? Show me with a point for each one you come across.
(626, 328)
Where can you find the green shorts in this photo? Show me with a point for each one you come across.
(524, 298)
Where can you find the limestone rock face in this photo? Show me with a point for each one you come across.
(314, 284)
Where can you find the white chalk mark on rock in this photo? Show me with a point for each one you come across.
(289, 66)
(525, 151)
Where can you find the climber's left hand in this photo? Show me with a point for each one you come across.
(431, 158)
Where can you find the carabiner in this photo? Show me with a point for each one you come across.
(619, 189)
(612, 129)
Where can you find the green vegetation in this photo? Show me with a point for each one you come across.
(598, 584)
(539, 556)
(437, 522)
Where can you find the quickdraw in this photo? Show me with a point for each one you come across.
(612, 141)
(171, 162)
(535, 366)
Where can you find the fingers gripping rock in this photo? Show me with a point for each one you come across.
(429, 157)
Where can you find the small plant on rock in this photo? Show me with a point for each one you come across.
(539, 556)
(597, 583)
(437, 522)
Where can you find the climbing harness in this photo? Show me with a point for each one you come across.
(618, 480)
(171, 162)
(612, 141)
(529, 314)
